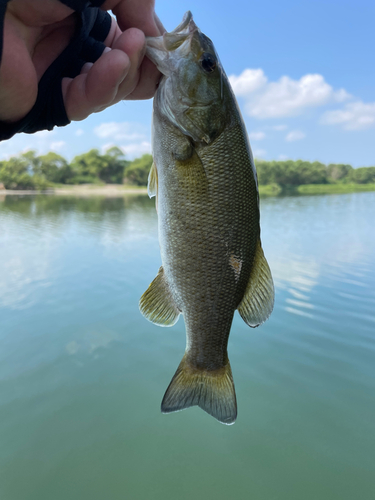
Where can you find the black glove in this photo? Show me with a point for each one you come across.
(86, 46)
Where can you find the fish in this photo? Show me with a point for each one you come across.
(205, 183)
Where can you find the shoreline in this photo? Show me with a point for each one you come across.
(109, 190)
(119, 190)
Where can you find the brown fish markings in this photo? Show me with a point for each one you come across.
(205, 182)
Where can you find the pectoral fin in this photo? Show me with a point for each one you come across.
(152, 186)
(192, 174)
(257, 302)
(157, 304)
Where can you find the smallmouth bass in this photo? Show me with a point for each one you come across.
(205, 183)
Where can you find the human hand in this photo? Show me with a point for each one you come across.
(37, 31)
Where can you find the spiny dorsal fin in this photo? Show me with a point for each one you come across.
(257, 302)
(157, 304)
(152, 186)
(213, 391)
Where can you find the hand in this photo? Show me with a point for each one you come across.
(37, 31)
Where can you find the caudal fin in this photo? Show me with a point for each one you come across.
(213, 391)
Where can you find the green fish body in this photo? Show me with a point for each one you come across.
(205, 184)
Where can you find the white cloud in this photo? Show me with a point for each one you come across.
(132, 150)
(120, 131)
(355, 116)
(107, 146)
(43, 134)
(288, 97)
(137, 149)
(257, 136)
(285, 97)
(295, 135)
(280, 128)
(259, 153)
(41, 142)
(57, 145)
(79, 132)
(248, 81)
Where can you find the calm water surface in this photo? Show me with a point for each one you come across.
(82, 373)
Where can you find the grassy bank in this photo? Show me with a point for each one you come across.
(106, 190)
(309, 189)
(113, 190)
(334, 188)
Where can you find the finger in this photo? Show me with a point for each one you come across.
(147, 83)
(133, 43)
(86, 67)
(38, 12)
(139, 14)
(92, 91)
(143, 77)
(114, 33)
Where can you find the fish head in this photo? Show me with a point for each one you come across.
(191, 93)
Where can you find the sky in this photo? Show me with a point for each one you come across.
(303, 73)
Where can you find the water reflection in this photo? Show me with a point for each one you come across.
(82, 373)
(38, 232)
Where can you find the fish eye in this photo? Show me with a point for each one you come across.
(208, 62)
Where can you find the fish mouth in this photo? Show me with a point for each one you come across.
(164, 51)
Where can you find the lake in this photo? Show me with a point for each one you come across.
(82, 373)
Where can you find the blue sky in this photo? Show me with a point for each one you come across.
(303, 72)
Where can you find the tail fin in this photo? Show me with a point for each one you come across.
(213, 391)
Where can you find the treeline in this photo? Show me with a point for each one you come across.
(298, 173)
(29, 171)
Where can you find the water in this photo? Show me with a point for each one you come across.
(82, 373)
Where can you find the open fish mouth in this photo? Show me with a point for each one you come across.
(164, 51)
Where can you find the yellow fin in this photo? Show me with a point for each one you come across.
(157, 304)
(192, 173)
(213, 391)
(257, 302)
(152, 186)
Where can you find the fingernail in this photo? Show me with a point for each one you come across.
(107, 49)
(86, 67)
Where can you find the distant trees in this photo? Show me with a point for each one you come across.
(55, 168)
(289, 174)
(362, 175)
(29, 171)
(22, 173)
(337, 171)
(93, 167)
(137, 171)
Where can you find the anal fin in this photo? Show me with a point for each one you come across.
(157, 304)
(257, 302)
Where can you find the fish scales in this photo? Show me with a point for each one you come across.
(208, 215)
(204, 283)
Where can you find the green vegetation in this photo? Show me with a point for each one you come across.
(29, 171)
(336, 188)
(303, 177)
(136, 173)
